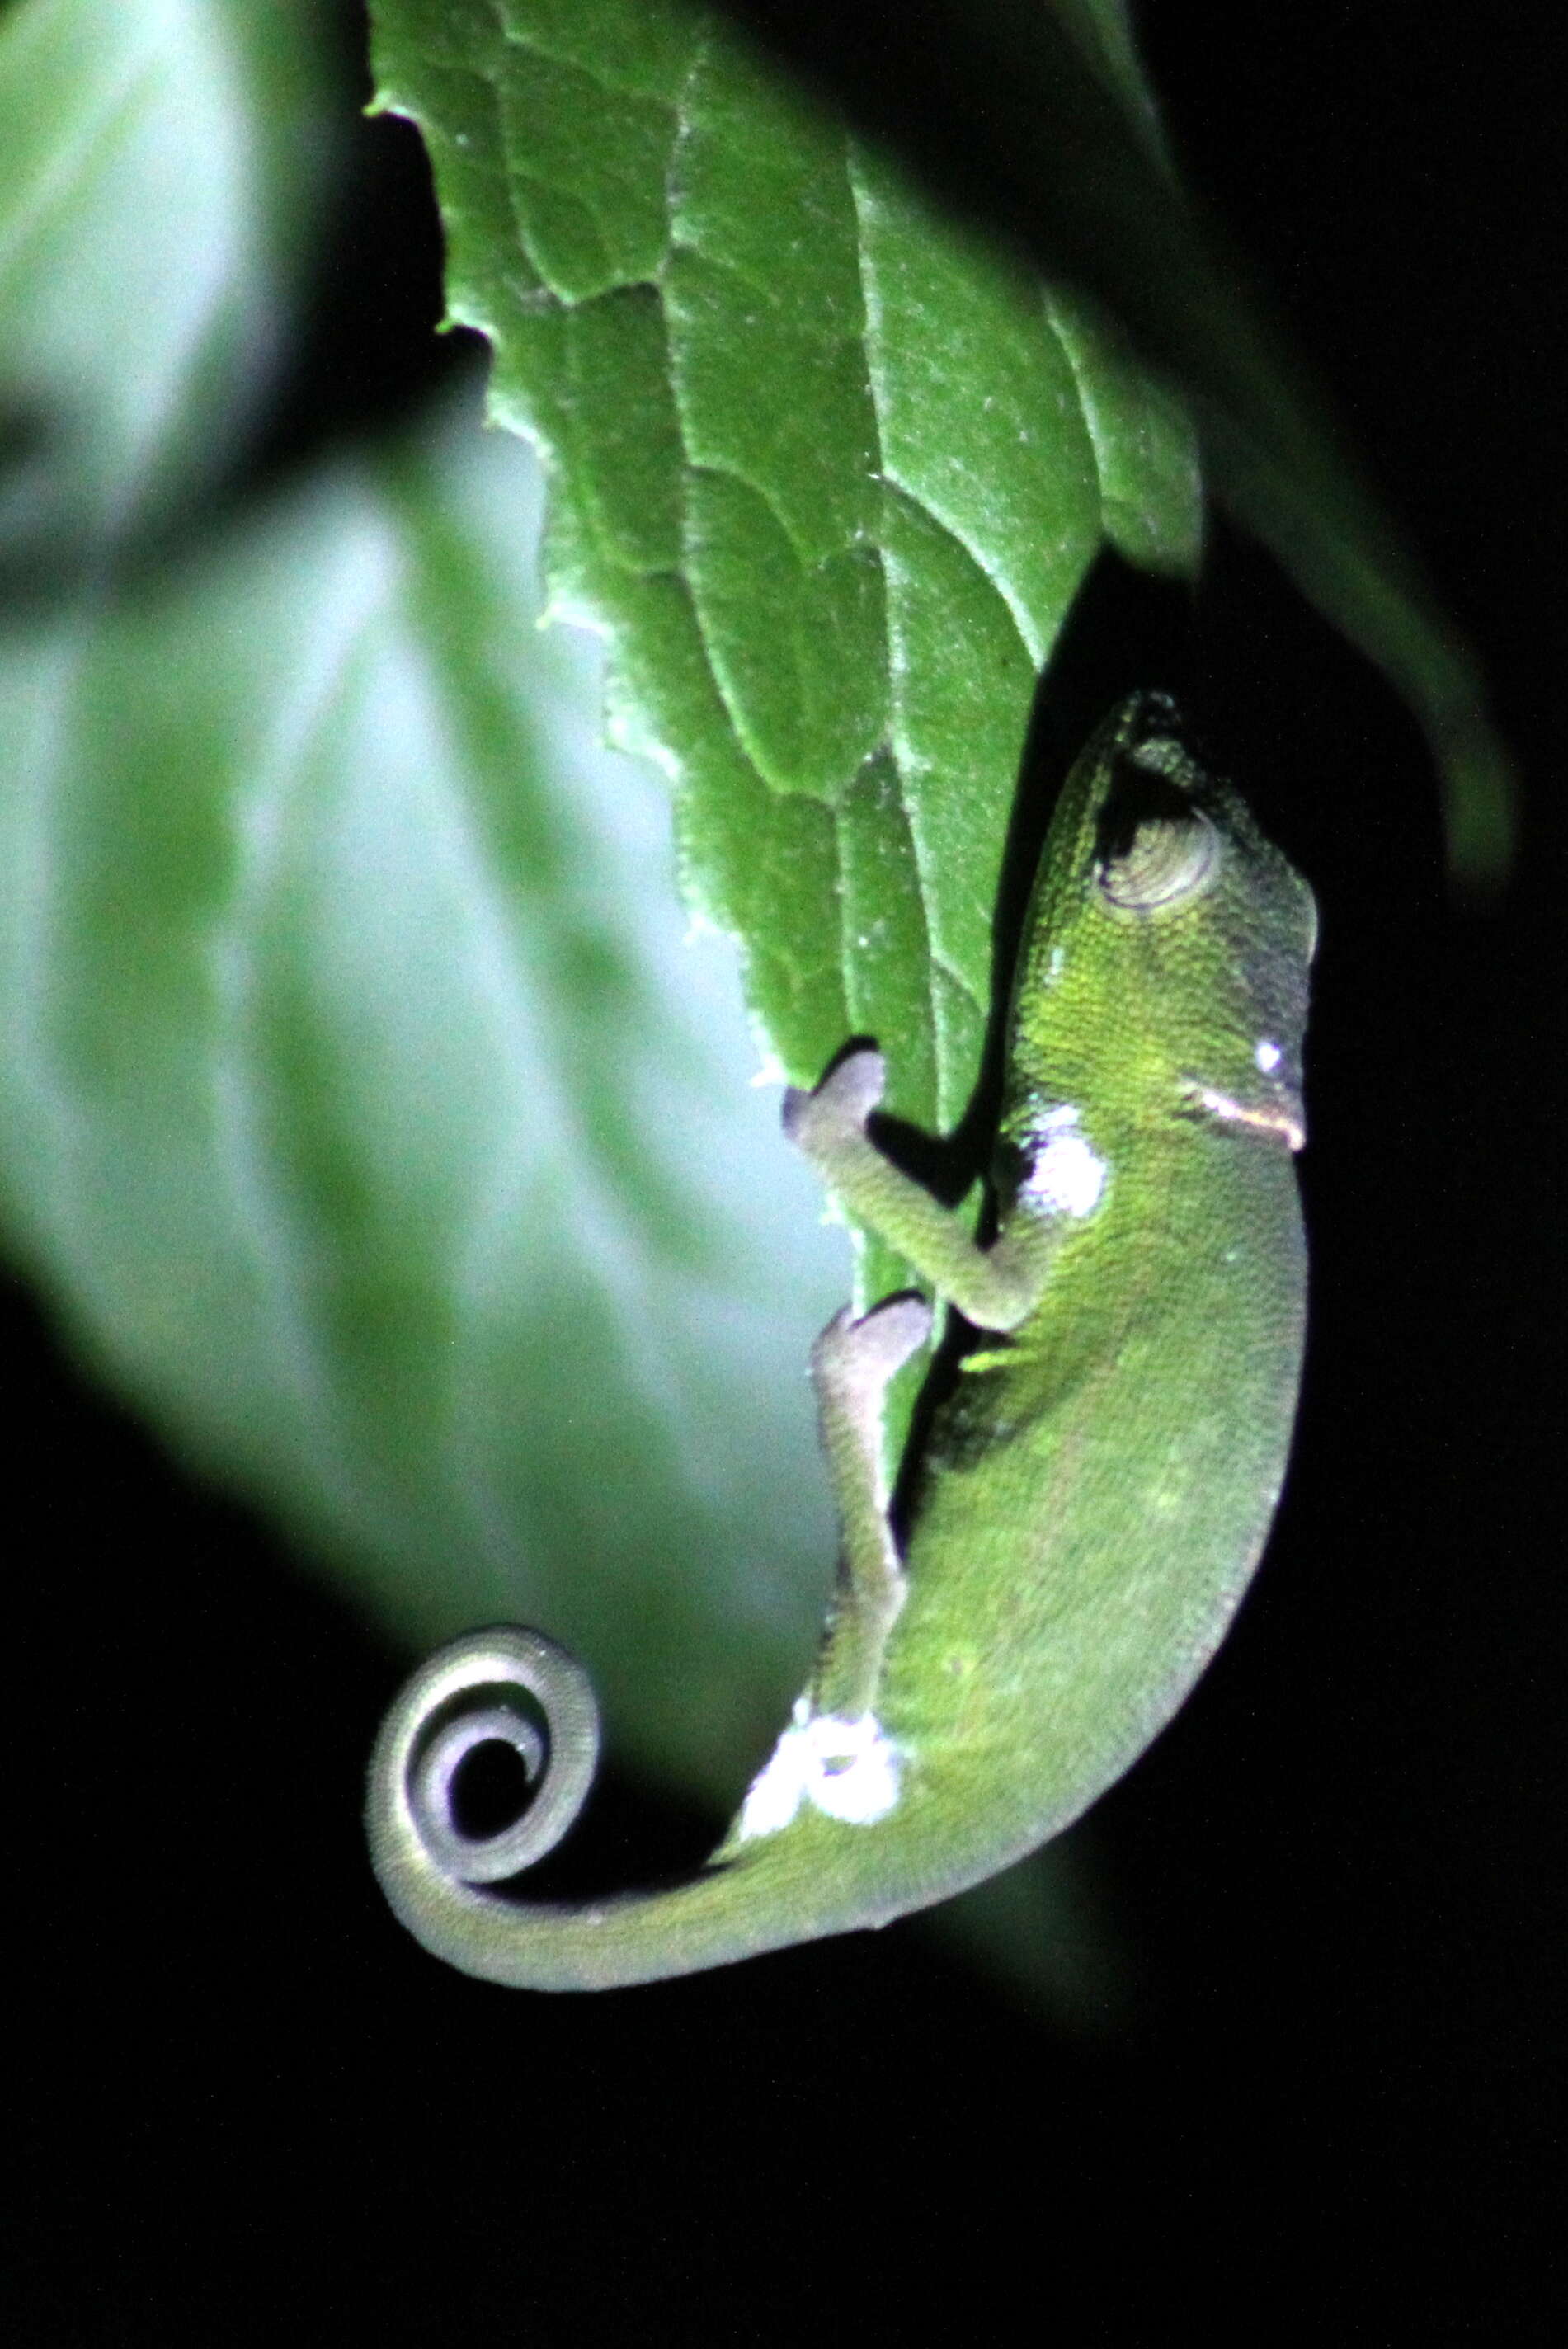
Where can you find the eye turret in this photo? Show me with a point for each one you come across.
(1157, 846)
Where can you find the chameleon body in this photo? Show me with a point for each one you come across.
(1091, 1498)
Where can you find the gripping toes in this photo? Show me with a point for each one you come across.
(861, 1358)
(840, 1105)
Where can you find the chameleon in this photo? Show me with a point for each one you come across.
(1089, 1498)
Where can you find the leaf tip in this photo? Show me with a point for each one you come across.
(1480, 802)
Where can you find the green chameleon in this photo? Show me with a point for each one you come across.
(1090, 1499)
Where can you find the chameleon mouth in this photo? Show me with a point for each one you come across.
(1282, 1117)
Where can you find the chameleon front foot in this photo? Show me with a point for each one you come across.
(995, 1287)
(831, 1121)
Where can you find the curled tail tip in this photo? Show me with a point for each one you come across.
(503, 1687)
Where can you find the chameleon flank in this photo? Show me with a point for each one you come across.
(1091, 1498)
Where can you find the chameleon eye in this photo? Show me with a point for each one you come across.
(1169, 856)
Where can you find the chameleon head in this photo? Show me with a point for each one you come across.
(1171, 920)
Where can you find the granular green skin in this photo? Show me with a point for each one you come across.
(1093, 1496)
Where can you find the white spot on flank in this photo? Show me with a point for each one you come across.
(1268, 1056)
(849, 1769)
(1067, 1176)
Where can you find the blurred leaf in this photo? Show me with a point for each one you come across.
(827, 475)
(1026, 116)
(158, 160)
(361, 1107)
(363, 1104)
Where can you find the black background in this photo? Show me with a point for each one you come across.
(246, 2106)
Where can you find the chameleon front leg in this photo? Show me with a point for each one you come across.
(995, 1287)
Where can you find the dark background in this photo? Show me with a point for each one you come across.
(1330, 2097)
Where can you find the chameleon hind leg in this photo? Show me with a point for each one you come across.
(834, 1755)
(852, 1365)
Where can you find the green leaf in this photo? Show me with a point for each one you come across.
(827, 475)
(365, 1109)
(159, 160)
(373, 1123)
(1027, 117)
